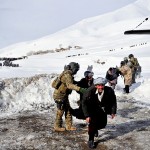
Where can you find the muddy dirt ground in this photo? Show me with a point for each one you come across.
(130, 130)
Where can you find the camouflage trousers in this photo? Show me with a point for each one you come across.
(63, 108)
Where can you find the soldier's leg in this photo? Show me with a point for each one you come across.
(139, 75)
(58, 120)
(68, 117)
(140, 70)
(133, 76)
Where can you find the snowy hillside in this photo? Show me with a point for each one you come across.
(100, 32)
(26, 104)
(101, 43)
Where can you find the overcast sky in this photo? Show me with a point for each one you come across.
(24, 20)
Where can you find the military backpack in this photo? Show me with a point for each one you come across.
(57, 81)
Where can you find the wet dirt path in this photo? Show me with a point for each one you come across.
(34, 131)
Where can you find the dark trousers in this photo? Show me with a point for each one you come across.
(98, 121)
(126, 88)
(78, 113)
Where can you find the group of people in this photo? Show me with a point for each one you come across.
(129, 69)
(96, 99)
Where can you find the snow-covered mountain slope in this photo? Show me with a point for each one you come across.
(26, 103)
(103, 45)
(100, 31)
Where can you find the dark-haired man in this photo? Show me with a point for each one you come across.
(112, 76)
(85, 82)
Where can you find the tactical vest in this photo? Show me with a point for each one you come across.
(62, 91)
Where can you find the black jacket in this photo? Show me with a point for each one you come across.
(91, 105)
(84, 83)
(115, 75)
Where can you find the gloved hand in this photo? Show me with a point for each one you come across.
(82, 90)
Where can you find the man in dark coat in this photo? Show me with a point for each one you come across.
(112, 76)
(98, 101)
(85, 82)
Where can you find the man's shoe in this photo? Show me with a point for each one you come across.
(71, 128)
(91, 144)
(60, 129)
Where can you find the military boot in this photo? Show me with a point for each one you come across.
(70, 128)
(59, 121)
(60, 129)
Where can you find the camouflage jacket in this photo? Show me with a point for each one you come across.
(66, 86)
(135, 62)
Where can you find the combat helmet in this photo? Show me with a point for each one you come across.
(74, 67)
(131, 55)
(126, 60)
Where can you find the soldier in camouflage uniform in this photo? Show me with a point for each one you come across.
(135, 65)
(126, 72)
(129, 63)
(61, 94)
